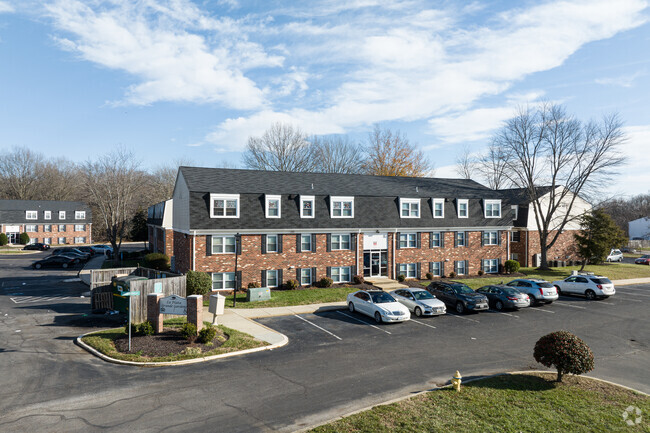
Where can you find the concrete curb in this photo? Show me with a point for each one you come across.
(411, 395)
(631, 281)
(92, 350)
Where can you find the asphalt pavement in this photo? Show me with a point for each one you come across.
(335, 361)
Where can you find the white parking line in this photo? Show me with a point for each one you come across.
(461, 317)
(363, 321)
(422, 323)
(562, 304)
(632, 294)
(501, 312)
(313, 324)
(26, 299)
(540, 310)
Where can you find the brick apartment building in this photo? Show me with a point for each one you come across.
(46, 221)
(306, 226)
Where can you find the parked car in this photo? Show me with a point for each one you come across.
(643, 260)
(71, 250)
(538, 290)
(86, 249)
(615, 256)
(591, 286)
(101, 248)
(501, 296)
(37, 246)
(379, 305)
(628, 250)
(420, 302)
(78, 258)
(59, 261)
(458, 296)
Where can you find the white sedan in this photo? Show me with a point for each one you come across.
(379, 305)
(591, 286)
(420, 302)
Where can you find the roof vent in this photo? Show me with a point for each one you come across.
(417, 189)
(312, 186)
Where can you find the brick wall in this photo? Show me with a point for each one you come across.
(54, 234)
(563, 249)
(182, 252)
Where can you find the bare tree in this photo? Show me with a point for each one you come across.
(391, 154)
(547, 146)
(20, 174)
(336, 155)
(493, 167)
(466, 164)
(113, 183)
(162, 179)
(624, 210)
(280, 148)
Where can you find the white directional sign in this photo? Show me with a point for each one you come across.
(173, 305)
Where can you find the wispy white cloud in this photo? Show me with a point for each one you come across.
(635, 172)
(621, 80)
(6, 7)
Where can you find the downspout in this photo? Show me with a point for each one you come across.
(357, 253)
(393, 264)
(508, 245)
(526, 250)
(194, 250)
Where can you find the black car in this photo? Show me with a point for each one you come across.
(78, 257)
(37, 246)
(59, 261)
(87, 250)
(71, 250)
(458, 296)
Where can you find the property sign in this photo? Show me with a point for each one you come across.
(173, 305)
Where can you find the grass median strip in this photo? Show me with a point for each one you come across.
(287, 298)
(509, 403)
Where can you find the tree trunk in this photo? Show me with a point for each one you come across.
(559, 375)
(584, 262)
(543, 253)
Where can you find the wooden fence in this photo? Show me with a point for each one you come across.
(100, 286)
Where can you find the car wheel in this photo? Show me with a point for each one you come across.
(498, 305)
(37, 266)
(377, 317)
(351, 307)
(590, 294)
(533, 300)
(559, 291)
(65, 265)
(460, 308)
(418, 311)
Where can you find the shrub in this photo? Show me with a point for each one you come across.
(198, 283)
(480, 272)
(452, 274)
(292, 284)
(157, 261)
(326, 282)
(511, 266)
(145, 328)
(192, 350)
(401, 278)
(24, 238)
(358, 279)
(254, 285)
(4, 240)
(207, 334)
(564, 351)
(134, 329)
(429, 276)
(188, 330)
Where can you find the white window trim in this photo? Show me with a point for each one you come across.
(223, 244)
(83, 228)
(312, 199)
(439, 272)
(486, 238)
(334, 199)
(61, 214)
(47, 215)
(308, 271)
(406, 273)
(408, 235)
(466, 203)
(435, 201)
(214, 197)
(410, 201)
(28, 226)
(269, 198)
(80, 214)
(223, 280)
(310, 245)
(276, 278)
(457, 267)
(464, 235)
(491, 202)
(485, 261)
(31, 212)
(340, 235)
(339, 270)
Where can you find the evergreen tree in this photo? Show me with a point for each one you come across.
(139, 226)
(598, 236)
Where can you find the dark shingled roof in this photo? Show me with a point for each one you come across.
(13, 211)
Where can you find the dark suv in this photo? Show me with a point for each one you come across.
(458, 296)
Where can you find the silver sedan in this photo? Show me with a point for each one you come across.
(420, 302)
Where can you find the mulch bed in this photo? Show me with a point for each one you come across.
(169, 342)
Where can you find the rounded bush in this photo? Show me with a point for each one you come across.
(24, 239)
(207, 334)
(326, 282)
(480, 272)
(358, 279)
(292, 284)
(429, 276)
(511, 266)
(188, 330)
(145, 328)
(401, 278)
(198, 283)
(157, 261)
(452, 274)
(254, 285)
(4, 240)
(564, 351)
(134, 329)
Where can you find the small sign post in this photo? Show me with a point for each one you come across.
(130, 295)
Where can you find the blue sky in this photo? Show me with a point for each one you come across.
(187, 79)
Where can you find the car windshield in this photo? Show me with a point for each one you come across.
(646, 256)
(462, 288)
(601, 280)
(545, 285)
(381, 297)
(422, 295)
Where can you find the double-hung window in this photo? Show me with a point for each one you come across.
(305, 277)
(80, 240)
(408, 240)
(490, 238)
(436, 269)
(461, 267)
(61, 214)
(30, 228)
(271, 243)
(410, 207)
(47, 228)
(223, 280)
(80, 214)
(491, 266)
(224, 206)
(223, 244)
(341, 274)
(516, 236)
(305, 242)
(340, 242)
(435, 239)
(272, 278)
(31, 215)
(62, 228)
(80, 227)
(463, 208)
(61, 241)
(342, 207)
(47, 241)
(438, 207)
(307, 206)
(409, 270)
(47, 215)
(492, 208)
(460, 239)
(273, 206)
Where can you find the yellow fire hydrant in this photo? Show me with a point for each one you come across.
(456, 380)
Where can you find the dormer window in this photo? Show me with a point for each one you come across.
(273, 206)
(31, 215)
(47, 214)
(492, 208)
(409, 207)
(61, 214)
(224, 205)
(307, 206)
(515, 211)
(463, 208)
(80, 214)
(438, 207)
(342, 207)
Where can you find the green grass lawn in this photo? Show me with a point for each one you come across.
(506, 404)
(284, 298)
